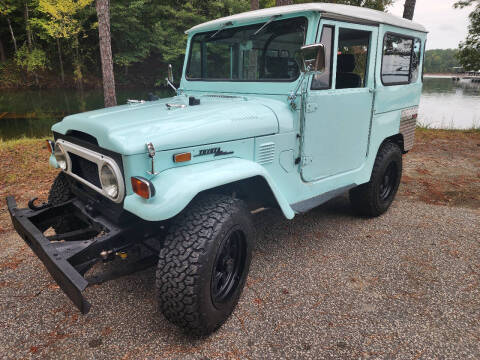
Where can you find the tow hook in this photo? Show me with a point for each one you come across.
(32, 206)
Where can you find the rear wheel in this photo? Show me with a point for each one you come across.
(375, 197)
(204, 263)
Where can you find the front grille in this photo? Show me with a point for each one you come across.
(86, 169)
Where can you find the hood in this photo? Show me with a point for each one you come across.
(127, 128)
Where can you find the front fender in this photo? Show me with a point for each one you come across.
(176, 187)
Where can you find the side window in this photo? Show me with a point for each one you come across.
(324, 80)
(396, 62)
(352, 58)
(417, 46)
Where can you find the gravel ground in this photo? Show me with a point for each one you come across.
(325, 285)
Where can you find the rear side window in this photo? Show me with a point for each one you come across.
(397, 60)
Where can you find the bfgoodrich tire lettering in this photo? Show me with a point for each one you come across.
(375, 197)
(188, 294)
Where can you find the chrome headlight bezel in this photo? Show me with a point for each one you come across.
(109, 181)
(100, 160)
(61, 156)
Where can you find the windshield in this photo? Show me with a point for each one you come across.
(236, 54)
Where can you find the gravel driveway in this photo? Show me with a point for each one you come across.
(325, 285)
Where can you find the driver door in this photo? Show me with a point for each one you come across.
(339, 102)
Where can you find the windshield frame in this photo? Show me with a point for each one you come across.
(254, 26)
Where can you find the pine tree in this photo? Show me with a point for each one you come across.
(103, 14)
(409, 9)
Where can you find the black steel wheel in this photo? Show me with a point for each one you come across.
(229, 267)
(375, 197)
(389, 181)
(204, 263)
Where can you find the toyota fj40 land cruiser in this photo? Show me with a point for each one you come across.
(284, 107)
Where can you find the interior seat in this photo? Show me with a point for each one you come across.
(346, 78)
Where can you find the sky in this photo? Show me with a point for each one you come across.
(446, 26)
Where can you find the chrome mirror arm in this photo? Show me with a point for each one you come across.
(293, 95)
(171, 85)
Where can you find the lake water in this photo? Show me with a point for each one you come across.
(444, 104)
(447, 104)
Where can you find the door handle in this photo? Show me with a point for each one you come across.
(371, 91)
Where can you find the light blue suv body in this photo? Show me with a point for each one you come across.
(304, 151)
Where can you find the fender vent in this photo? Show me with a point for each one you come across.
(265, 153)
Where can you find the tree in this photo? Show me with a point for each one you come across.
(469, 50)
(6, 8)
(3, 58)
(103, 14)
(409, 9)
(254, 5)
(283, 2)
(440, 60)
(61, 22)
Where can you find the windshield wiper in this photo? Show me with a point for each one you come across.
(265, 25)
(228, 23)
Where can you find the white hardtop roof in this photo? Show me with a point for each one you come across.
(346, 12)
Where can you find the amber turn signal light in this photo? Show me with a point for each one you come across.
(182, 157)
(143, 187)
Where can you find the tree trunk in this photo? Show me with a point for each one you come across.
(103, 14)
(27, 28)
(62, 73)
(283, 2)
(254, 5)
(409, 9)
(13, 36)
(3, 58)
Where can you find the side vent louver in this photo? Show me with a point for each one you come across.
(265, 153)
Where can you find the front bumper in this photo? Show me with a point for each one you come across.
(69, 256)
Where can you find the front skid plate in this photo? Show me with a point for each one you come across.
(69, 259)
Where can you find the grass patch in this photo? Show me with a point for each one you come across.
(24, 173)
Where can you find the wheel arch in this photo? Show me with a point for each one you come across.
(177, 187)
(396, 139)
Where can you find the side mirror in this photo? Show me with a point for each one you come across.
(311, 58)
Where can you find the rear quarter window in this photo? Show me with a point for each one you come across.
(397, 64)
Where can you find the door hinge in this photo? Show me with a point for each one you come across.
(306, 160)
(311, 107)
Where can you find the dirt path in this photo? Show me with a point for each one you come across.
(325, 285)
(443, 168)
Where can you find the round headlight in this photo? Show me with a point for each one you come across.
(60, 156)
(109, 181)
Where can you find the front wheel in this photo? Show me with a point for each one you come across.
(375, 197)
(204, 263)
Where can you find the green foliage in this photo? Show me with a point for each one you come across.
(146, 34)
(61, 20)
(469, 53)
(440, 61)
(33, 60)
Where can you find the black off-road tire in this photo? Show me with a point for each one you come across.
(374, 198)
(187, 277)
(59, 193)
